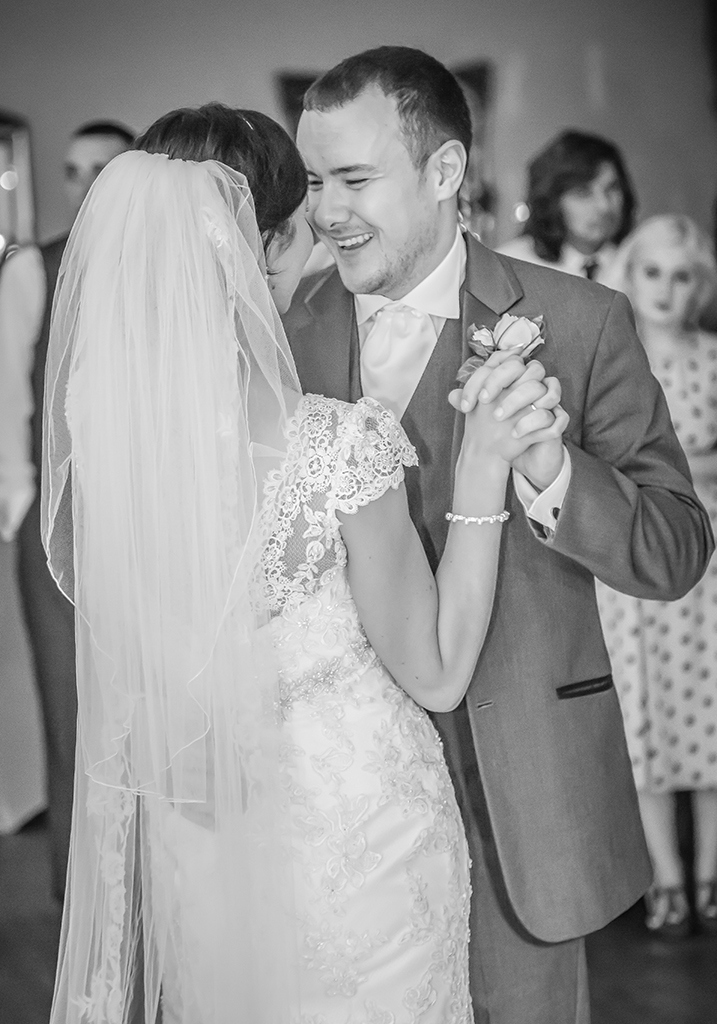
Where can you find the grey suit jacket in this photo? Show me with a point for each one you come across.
(537, 747)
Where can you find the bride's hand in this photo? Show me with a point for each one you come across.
(509, 407)
(499, 377)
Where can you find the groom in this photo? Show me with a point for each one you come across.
(536, 749)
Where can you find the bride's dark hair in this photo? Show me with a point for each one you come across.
(247, 141)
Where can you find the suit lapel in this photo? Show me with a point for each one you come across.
(489, 290)
(489, 283)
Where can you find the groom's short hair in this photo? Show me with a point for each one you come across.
(430, 102)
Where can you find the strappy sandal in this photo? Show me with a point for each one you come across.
(706, 906)
(668, 912)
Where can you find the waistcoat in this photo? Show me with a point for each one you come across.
(435, 429)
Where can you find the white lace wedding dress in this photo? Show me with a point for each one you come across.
(379, 856)
(381, 862)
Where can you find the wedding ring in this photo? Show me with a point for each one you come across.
(533, 406)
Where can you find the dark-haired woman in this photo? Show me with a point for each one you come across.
(581, 205)
(265, 830)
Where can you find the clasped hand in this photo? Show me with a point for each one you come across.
(513, 411)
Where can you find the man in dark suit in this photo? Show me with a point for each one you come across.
(537, 748)
(27, 286)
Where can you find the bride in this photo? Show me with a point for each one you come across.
(265, 830)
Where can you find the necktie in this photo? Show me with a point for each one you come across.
(395, 354)
(590, 268)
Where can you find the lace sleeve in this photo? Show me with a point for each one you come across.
(372, 450)
(339, 457)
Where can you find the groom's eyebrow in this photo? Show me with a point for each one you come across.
(352, 169)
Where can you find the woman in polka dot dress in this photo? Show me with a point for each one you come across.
(664, 654)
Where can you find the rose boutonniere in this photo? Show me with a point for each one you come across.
(518, 334)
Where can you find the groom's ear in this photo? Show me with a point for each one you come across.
(447, 167)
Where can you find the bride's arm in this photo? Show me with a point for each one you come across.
(429, 631)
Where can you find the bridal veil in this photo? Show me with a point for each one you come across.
(168, 384)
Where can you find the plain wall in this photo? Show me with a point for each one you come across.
(634, 70)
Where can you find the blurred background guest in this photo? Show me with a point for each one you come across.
(581, 205)
(478, 194)
(27, 284)
(708, 319)
(664, 655)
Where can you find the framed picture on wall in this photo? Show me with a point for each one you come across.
(478, 193)
(292, 85)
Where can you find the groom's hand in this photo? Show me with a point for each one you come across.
(542, 462)
(493, 381)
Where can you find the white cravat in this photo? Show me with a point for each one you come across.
(392, 376)
(395, 354)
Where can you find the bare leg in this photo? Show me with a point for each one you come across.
(668, 912)
(659, 821)
(704, 803)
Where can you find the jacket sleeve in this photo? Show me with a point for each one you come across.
(630, 515)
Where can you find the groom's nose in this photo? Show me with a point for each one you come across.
(330, 209)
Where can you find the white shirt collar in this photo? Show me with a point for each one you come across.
(572, 260)
(438, 294)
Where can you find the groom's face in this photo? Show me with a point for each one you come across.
(376, 212)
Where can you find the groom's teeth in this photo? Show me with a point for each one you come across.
(350, 243)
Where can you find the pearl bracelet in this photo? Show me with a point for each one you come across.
(500, 517)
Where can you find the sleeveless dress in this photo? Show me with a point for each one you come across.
(380, 856)
(664, 654)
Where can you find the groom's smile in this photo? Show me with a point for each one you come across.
(354, 242)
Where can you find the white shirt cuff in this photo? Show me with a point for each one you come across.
(544, 506)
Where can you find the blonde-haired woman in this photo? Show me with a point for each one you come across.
(664, 655)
